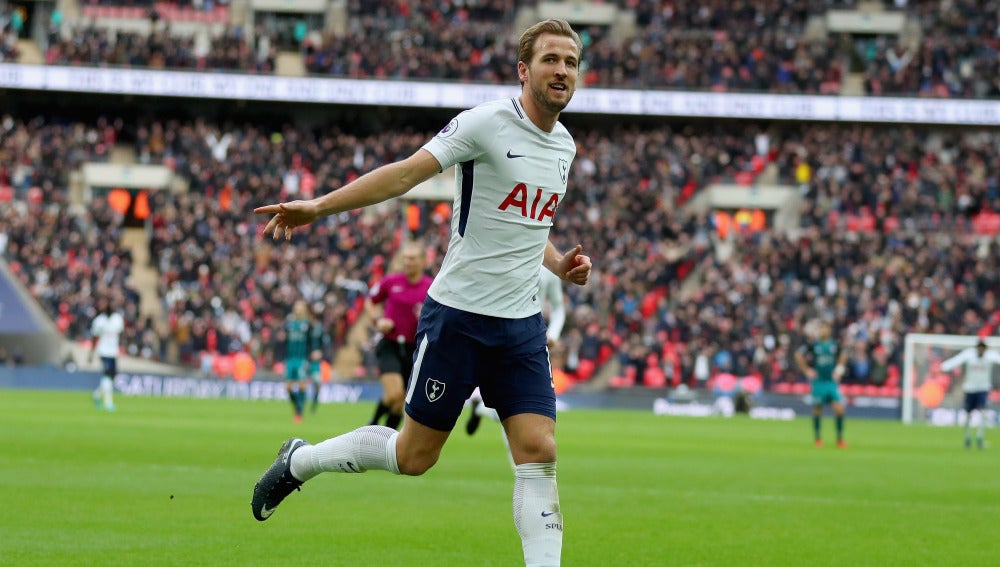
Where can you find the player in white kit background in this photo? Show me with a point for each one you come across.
(481, 324)
(106, 330)
(977, 385)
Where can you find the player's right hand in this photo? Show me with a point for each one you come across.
(288, 216)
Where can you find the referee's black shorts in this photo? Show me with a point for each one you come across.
(395, 357)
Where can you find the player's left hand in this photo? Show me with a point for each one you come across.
(575, 266)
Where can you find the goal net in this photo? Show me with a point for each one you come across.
(930, 395)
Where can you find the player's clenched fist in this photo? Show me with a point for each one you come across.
(575, 266)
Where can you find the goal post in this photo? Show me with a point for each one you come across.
(925, 387)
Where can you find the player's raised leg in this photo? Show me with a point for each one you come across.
(434, 402)
(372, 447)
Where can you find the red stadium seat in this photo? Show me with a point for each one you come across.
(619, 382)
(653, 377)
(751, 384)
(892, 376)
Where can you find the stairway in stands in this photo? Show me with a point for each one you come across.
(29, 53)
(144, 275)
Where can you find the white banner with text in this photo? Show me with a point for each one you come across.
(420, 94)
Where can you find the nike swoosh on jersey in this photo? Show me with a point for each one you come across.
(512, 156)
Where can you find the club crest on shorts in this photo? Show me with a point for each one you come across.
(434, 389)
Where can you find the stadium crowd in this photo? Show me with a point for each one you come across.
(955, 57)
(230, 50)
(719, 46)
(11, 23)
(885, 244)
(206, 237)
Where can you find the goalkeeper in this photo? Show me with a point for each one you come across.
(978, 369)
(825, 373)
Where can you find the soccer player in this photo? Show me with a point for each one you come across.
(977, 384)
(319, 342)
(550, 293)
(106, 330)
(825, 374)
(296, 356)
(401, 295)
(481, 322)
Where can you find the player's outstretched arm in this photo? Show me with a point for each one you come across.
(959, 359)
(571, 266)
(386, 182)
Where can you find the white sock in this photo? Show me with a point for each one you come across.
(982, 425)
(369, 447)
(107, 391)
(483, 411)
(536, 514)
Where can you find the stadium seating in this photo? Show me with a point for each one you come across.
(773, 46)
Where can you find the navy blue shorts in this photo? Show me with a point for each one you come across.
(975, 400)
(110, 365)
(456, 351)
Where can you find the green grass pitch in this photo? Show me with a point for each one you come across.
(168, 482)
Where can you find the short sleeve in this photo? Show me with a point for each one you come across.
(463, 139)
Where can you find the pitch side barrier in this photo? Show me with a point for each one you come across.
(421, 94)
(695, 404)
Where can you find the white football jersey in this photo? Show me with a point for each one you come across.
(510, 178)
(551, 293)
(978, 371)
(107, 329)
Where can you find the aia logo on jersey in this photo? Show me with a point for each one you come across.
(535, 206)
